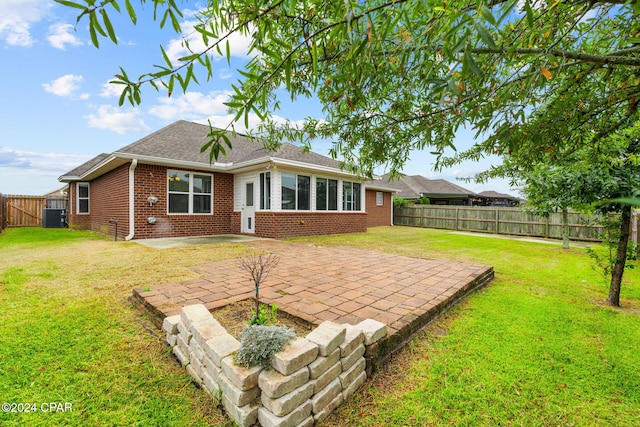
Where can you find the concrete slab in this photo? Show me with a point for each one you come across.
(175, 242)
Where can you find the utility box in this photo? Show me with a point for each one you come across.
(54, 218)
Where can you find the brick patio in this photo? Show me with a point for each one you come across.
(341, 284)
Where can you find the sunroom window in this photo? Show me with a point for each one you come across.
(296, 192)
(326, 194)
(351, 200)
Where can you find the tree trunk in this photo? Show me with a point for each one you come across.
(621, 257)
(565, 228)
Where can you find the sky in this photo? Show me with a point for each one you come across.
(58, 109)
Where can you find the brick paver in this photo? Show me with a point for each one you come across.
(341, 284)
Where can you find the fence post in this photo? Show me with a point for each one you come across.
(497, 221)
(457, 219)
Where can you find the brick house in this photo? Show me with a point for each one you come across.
(163, 186)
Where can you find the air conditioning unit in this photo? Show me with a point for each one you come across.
(54, 218)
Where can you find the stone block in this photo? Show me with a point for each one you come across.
(348, 361)
(236, 396)
(318, 417)
(184, 331)
(273, 384)
(355, 384)
(293, 419)
(372, 330)
(309, 422)
(346, 378)
(194, 313)
(182, 357)
(321, 400)
(170, 324)
(244, 416)
(211, 385)
(287, 403)
(352, 339)
(324, 379)
(328, 336)
(171, 339)
(322, 364)
(192, 372)
(183, 346)
(241, 377)
(197, 369)
(196, 351)
(297, 354)
(204, 330)
(211, 368)
(219, 347)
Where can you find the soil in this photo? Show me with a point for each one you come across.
(234, 317)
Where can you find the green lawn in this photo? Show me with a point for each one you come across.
(536, 347)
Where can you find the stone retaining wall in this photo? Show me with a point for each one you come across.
(309, 378)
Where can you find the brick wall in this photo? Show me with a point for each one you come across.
(378, 215)
(151, 180)
(279, 225)
(107, 200)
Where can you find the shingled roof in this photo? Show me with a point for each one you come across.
(417, 186)
(183, 140)
(180, 142)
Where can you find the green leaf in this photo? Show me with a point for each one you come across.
(529, 14)
(71, 4)
(485, 35)
(166, 57)
(471, 63)
(131, 11)
(108, 26)
(487, 15)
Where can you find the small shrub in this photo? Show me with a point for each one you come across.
(258, 344)
(399, 201)
(264, 316)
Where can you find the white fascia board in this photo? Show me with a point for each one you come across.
(316, 168)
(215, 167)
(95, 168)
(384, 189)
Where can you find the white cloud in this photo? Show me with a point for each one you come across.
(238, 44)
(65, 85)
(110, 90)
(191, 105)
(35, 161)
(16, 18)
(117, 120)
(61, 35)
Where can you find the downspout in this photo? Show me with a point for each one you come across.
(132, 199)
(391, 198)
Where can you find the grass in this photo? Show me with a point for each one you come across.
(536, 347)
(69, 334)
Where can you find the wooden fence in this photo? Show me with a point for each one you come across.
(26, 211)
(511, 221)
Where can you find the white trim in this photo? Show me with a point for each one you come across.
(190, 193)
(88, 198)
(132, 200)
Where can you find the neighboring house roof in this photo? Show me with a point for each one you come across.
(179, 145)
(496, 195)
(417, 186)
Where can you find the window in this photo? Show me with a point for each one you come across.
(82, 197)
(379, 198)
(265, 190)
(326, 194)
(296, 192)
(190, 193)
(351, 196)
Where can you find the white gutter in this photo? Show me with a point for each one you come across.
(132, 199)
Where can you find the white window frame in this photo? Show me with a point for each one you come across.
(354, 200)
(78, 198)
(296, 199)
(190, 193)
(379, 198)
(265, 192)
(315, 196)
